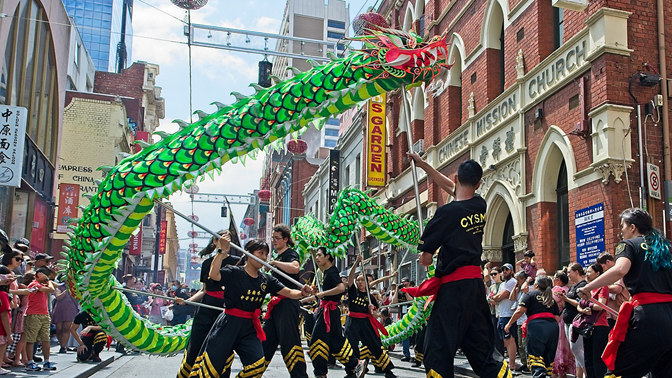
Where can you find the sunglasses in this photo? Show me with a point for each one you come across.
(494, 274)
(18, 259)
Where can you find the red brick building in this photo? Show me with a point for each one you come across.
(545, 98)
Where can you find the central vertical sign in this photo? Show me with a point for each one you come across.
(375, 142)
(334, 179)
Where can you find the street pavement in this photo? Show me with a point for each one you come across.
(167, 367)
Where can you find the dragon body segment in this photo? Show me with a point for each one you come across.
(253, 122)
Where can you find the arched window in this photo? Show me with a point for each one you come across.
(564, 256)
(29, 74)
(493, 38)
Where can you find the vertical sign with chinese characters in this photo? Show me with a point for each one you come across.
(68, 200)
(375, 142)
(135, 243)
(12, 139)
(162, 236)
(334, 179)
(589, 223)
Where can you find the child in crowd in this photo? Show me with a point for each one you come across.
(38, 321)
(5, 318)
(17, 350)
(528, 265)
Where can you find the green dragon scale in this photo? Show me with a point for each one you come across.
(389, 60)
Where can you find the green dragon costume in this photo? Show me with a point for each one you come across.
(389, 60)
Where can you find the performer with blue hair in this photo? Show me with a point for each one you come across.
(644, 261)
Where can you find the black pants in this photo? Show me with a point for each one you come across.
(94, 345)
(648, 344)
(283, 328)
(308, 324)
(356, 330)
(542, 342)
(593, 347)
(203, 321)
(227, 335)
(324, 343)
(420, 345)
(461, 319)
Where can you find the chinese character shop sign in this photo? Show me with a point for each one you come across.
(375, 142)
(68, 200)
(12, 137)
(589, 224)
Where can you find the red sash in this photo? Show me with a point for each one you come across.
(326, 307)
(432, 285)
(374, 322)
(617, 335)
(254, 315)
(540, 315)
(216, 294)
(272, 303)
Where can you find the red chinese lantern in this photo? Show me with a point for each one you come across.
(297, 146)
(193, 217)
(193, 245)
(370, 21)
(248, 221)
(243, 236)
(264, 195)
(193, 234)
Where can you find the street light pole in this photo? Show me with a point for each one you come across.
(159, 212)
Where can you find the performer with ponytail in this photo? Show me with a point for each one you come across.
(541, 326)
(361, 325)
(327, 338)
(282, 316)
(641, 341)
(238, 328)
(211, 294)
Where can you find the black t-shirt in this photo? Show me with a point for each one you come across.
(212, 285)
(135, 299)
(245, 292)
(456, 228)
(357, 300)
(569, 312)
(84, 319)
(288, 255)
(641, 278)
(535, 304)
(331, 279)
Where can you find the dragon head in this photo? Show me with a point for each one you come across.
(405, 54)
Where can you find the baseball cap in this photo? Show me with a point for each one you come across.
(507, 266)
(42, 256)
(405, 279)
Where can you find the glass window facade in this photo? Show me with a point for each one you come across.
(336, 24)
(334, 35)
(99, 23)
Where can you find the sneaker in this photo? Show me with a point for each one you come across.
(37, 358)
(63, 350)
(416, 363)
(49, 366)
(32, 366)
(4, 371)
(96, 359)
(405, 359)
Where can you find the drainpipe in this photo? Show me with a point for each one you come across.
(667, 163)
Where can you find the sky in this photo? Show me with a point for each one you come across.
(158, 38)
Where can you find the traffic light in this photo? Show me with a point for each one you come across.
(224, 211)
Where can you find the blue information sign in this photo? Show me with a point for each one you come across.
(589, 224)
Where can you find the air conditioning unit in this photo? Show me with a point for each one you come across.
(419, 147)
(575, 5)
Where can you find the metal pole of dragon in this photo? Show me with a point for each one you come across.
(248, 254)
(366, 281)
(166, 297)
(409, 137)
(395, 305)
(317, 280)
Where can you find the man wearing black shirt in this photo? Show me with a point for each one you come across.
(327, 337)
(211, 294)
(282, 317)
(238, 328)
(461, 316)
(91, 339)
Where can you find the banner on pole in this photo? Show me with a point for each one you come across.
(334, 178)
(12, 140)
(162, 236)
(375, 142)
(135, 243)
(68, 200)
